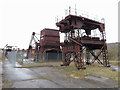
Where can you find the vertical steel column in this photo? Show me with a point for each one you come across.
(88, 57)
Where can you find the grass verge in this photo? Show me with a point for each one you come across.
(45, 64)
(115, 63)
(95, 68)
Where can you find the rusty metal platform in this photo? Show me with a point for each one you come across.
(76, 41)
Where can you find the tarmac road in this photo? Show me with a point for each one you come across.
(47, 77)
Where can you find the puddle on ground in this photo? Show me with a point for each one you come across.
(116, 68)
(17, 73)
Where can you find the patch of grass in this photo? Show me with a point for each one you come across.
(119, 79)
(95, 68)
(45, 64)
(115, 63)
(2, 59)
(6, 83)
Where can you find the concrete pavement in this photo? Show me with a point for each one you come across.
(46, 77)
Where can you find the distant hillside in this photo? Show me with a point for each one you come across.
(113, 51)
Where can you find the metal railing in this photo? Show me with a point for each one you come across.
(73, 11)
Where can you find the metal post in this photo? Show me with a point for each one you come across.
(69, 10)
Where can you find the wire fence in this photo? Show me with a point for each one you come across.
(53, 56)
(12, 57)
(46, 57)
(15, 57)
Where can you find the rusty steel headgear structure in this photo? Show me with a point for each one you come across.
(47, 43)
(78, 37)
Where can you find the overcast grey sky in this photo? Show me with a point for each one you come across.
(19, 18)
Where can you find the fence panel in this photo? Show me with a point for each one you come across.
(20, 57)
(53, 56)
(12, 57)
